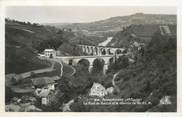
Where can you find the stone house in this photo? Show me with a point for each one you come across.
(110, 90)
(44, 86)
(50, 53)
(98, 90)
(165, 100)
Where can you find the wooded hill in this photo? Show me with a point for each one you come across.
(140, 33)
(117, 23)
(151, 78)
(23, 40)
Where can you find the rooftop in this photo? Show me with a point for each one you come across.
(41, 81)
(49, 50)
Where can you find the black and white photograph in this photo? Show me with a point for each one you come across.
(90, 59)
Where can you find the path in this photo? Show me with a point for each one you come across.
(64, 68)
(74, 70)
(66, 107)
(113, 82)
(55, 60)
(28, 74)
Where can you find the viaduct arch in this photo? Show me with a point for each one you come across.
(74, 60)
(92, 53)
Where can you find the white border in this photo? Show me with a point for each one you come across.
(93, 2)
(177, 3)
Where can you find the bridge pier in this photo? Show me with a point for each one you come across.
(105, 69)
(90, 69)
(98, 51)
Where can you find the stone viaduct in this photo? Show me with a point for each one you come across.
(73, 60)
(100, 50)
(92, 53)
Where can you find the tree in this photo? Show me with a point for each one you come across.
(118, 51)
(81, 81)
(103, 52)
(8, 94)
(32, 74)
(97, 70)
(51, 43)
(120, 63)
(84, 64)
(98, 66)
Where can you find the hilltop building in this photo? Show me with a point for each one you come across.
(51, 53)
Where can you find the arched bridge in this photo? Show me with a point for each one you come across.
(91, 53)
(74, 60)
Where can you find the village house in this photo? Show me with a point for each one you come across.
(50, 53)
(43, 87)
(13, 78)
(98, 90)
(165, 100)
(110, 90)
(165, 30)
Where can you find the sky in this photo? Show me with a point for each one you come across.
(78, 14)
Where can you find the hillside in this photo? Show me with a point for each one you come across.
(152, 78)
(27, 33)
(20, 56)
(22, 42)
(138, 33)
(114, 24)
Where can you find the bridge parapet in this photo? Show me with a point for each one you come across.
(100, 50)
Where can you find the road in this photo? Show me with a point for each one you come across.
(114, 82)
(66, 70)
(74, 71)
(61, 73)
(28, 74)
(69, 71)
(66, 107)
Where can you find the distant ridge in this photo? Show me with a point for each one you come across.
(117, 23)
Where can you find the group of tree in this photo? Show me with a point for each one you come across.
(152, 77)
(47, 44)
(20, 22)
(117, 64)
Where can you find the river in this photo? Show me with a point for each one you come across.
(105, 43)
